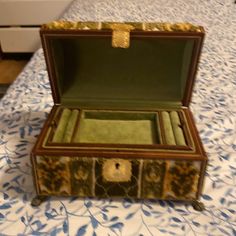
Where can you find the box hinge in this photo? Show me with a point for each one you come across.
(121, 35)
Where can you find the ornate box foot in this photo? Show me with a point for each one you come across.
(37, 200)
(198, 206)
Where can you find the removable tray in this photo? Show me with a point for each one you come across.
(111, 128)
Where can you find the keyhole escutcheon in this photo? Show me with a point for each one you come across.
(117, 166)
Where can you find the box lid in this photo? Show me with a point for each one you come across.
(122, 65)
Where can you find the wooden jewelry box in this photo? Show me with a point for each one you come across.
(121, 124)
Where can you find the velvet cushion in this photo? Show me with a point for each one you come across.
(169, 134)
(61, 127)
(177, 128)
(118, 128)
(71, 126)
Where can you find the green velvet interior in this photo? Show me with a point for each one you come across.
(90, 73)
(168, 130)
(177, 128)
(117, 128)
(173, 131)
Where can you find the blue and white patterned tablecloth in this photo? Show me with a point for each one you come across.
(28, 101)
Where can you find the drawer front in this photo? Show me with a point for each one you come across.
(107, 177)
(19, 39)
(34, 12)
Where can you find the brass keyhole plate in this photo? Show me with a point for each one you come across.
(117, 170)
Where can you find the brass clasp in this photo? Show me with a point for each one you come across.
(121, 35)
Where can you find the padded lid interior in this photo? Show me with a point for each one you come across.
(151, 73)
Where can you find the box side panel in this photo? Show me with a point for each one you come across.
(48, 123)
(199, 147)
(115, 177)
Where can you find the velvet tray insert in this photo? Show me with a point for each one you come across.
(160, 127)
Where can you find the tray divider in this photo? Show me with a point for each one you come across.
(185, 129)
(158, 128)
(77, 126)
(162, 131)
(177, 128)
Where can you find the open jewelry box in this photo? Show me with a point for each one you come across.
(121, 124)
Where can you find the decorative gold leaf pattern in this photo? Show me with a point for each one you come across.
(53, 175)
(105, 177)
(182, 179)
(165, 27)
(152, 179)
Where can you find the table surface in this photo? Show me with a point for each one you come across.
(28, 101)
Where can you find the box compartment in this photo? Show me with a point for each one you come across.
(117, 127)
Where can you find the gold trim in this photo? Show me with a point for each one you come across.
(121, 35)
(148, 26)
(69, 25)
(176, 27)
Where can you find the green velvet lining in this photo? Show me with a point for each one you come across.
(178, 132)
(67, 137)
(114, 104)
(93, 74)
(187, 54)
(117, 131)
(61, 127)
(118, 115)
(168, 131)
(117, 128)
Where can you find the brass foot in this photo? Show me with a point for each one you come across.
(198, 206)
(36, 201)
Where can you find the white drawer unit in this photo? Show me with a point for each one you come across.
(17, 39)
(20, 21)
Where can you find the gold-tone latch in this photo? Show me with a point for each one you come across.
(121, 35)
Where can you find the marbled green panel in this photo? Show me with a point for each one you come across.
(81, 171)
(53, 175)
(153, 173)
(181, 180)
(114, 177)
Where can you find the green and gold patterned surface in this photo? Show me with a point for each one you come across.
(112, 177)
(153, 26)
